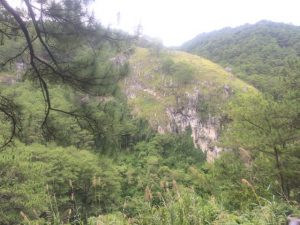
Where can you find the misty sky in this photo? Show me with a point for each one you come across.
(176, 21)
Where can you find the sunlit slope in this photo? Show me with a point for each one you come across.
(164, 80)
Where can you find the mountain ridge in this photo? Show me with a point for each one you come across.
(258, 54)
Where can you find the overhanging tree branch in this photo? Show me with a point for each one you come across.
(42, 82)
(45, 29)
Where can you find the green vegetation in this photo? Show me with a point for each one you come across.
(164, 180)
(160, 82)
(127, 174)
(255, 53)
(270, 131)
(76, 152)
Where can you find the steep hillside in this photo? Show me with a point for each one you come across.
(175, 91)
(257, 53)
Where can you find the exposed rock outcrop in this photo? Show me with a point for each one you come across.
(205, 132)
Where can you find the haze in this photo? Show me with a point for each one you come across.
(175, 22)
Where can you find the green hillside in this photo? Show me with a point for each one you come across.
(159, 81)
(257, 53)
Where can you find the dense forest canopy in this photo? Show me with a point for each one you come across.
(73, 152)
(258, 53)
(260, 48)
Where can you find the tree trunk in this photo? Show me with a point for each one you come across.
(280, 173)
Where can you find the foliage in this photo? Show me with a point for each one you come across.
(265, 125)
(185, 207)
(59, 43)
(109, 219)
(161, 181)
(256, 53)
(93, 162)
(181, 72)
(22, 186)
(268, 128)
(41, 181)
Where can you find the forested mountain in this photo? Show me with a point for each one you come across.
(258, 53)
(101, 127)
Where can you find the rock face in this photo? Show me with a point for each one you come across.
(205, 132)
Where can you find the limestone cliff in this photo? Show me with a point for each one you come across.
(175, 91)
(205, 132)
